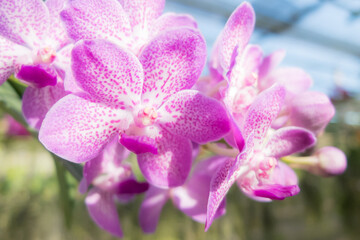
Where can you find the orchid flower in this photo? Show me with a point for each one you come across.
(303, 108)
(111, 180)
(144, 100)
(34, 46)
(131, 24)
(191, 198)
(256, 168)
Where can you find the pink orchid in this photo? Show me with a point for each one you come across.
(111, 180)
(144, 100)
(34, 46)
(191, 198)
(131, 24)
(303, 108)
(239, 73)
(256, 168)
(14, 128)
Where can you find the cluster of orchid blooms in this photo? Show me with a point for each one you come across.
(110, 77)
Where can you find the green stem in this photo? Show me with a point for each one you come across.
(64, 192)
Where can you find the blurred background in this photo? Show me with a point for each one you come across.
(320, 36)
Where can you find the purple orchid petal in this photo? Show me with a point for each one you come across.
(25, 22)
(237, 32)
(282, 184)
(195, 116)
(131, 186)
(243, 70)
(311, 110)
(38, 76)
(108, 160)
(289, 140)
(139, 144)
(224, 178)
(58, 32)
(268, 64)
(262, 112)
(295, 80)
(192, 197)
(171, 166)
(173, 61)
(14, 128)
(102, 209)
(36, 102)
(150, 210)
(108, 73)
(142, 13)
(332, 161)
(276, 191)
(77, 127)
(168, 21)
(10, 53)
(219, 186)
(97, 19)
(63, 58)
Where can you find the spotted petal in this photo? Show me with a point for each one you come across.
(262, 112)
(108, 73)
(192, 115)
(102, 209)
(24, 22)
(58, 32)
(102, 19)
(173, 61)
(142, 13)
(171, 166)
(77, 127)
(36, 102)
(289, 140)
(9, 55)
(237, 32)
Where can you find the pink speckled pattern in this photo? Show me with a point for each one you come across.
(220, 185)
(171, 166)
(289, 140)
(36, 102)
(168, 21)
(142, 13)
(237, 32)
(262, 112)
(102, 209)
(193, 115)
(107, 72)
(245, 67)
(173, 61)
(57, 29)
(25, 22)
(10, 53)
(91, 19)
(77, 127)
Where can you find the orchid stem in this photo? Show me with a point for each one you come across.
(229, 152)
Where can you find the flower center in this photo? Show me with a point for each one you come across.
(146, 117)
(45, 55)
